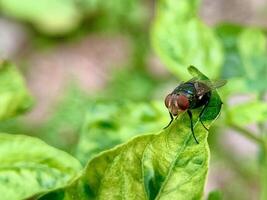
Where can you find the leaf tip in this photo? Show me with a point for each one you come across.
(193, 70)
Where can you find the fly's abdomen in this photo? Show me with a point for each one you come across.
(201, 101)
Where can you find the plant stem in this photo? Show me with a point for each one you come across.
(263, 157)
(263, 166)
(247, 134)
(262, 143)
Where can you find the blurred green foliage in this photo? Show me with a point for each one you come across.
(15, 97)
(60, 17)
(232, 64)
(62, 127)
(180, 37)
(50, 16)
(132, 84)
(241, 113)
(108, 124)
(253, 50)
(112, 15)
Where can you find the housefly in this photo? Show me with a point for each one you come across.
(190, 95)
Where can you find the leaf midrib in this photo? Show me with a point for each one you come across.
(173, 163)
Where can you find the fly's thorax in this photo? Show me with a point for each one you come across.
(185, 88)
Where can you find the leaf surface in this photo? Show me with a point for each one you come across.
(30, 166)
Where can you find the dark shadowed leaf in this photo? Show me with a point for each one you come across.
(215, 195)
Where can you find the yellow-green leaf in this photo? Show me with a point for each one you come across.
(29, 166)
(49, 16)
(14, 96)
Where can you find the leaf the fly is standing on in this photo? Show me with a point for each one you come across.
(180, 39)
(14, 96)
(166, 165)
(30, 166)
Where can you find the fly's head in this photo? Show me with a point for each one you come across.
(176, 103)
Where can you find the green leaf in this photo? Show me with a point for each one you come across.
(215, 195)
(233, 63)
(165, 165)
(29, 166)
(252, 47)
(108, 124)
(111, 14)
(14, 96)
(247, 113)
(59, 17)
(180, 39)
(49, 16)
(76, 190)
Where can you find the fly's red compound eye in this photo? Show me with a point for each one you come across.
(168, 100)
(183, 102)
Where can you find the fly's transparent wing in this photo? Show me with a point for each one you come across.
(192, 80)
(204, 86)
(214, 84)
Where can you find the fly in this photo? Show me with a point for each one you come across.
(190, 95)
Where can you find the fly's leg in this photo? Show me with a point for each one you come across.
(191, 125)
(170, 121)
(200, 115)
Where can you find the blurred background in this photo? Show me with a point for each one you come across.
(96, 80)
